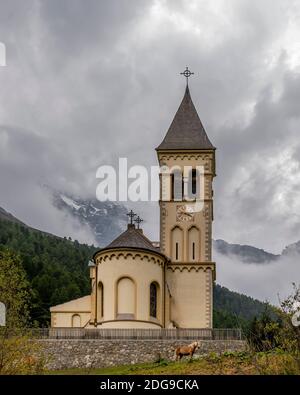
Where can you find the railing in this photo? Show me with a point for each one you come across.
(135, 334)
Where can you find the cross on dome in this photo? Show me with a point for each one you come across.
(138, 220)
(131, 216)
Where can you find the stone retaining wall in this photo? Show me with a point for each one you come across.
(65, 354)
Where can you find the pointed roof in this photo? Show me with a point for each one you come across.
(133, 238)
(186, 131)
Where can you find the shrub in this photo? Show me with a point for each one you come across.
(21, 355)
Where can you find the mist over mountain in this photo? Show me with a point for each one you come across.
(246, 253)
(105, 219)
(108, 219)
(292, 249)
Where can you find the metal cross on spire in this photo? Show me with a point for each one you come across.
(131, 215)
(187, 73)
(138, 220)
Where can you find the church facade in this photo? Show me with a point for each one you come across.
(136, 283)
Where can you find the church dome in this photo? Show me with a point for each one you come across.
(130, 272)
(132, 238)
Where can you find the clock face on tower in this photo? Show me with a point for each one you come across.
(184, 212)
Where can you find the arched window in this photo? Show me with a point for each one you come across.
(100, 301)
(177, 244)
(194, 244)
(193, 185)
(125, 298)
(76, 321)
(153, 300)
(177, 185)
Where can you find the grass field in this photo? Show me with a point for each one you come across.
(227, 364)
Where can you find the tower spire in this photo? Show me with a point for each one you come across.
(186, 131)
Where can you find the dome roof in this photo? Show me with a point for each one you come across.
(132, 238)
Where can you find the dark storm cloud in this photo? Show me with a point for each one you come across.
(22, 152)
(260, 170)
(88, 82)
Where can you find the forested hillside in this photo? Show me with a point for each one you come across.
(57, 270)
(232, 309)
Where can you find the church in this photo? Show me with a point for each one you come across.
(137, 283)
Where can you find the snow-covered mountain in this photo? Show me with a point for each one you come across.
(106, 219)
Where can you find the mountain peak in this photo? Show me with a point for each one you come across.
(105, 219)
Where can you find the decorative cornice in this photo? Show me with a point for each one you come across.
(71, 311)
(191, 267)
(202, 263)
(185, 201)
(182, 156)
(140, 255)
(186, 151)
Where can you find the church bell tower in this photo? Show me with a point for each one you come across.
(186, 215)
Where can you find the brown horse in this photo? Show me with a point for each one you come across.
(186, 350)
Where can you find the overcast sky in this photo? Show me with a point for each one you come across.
(87, 82)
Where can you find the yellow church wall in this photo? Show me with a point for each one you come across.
(126, 277)
(69, 319)
(130, 324)
(191, 297)
(75, 313)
